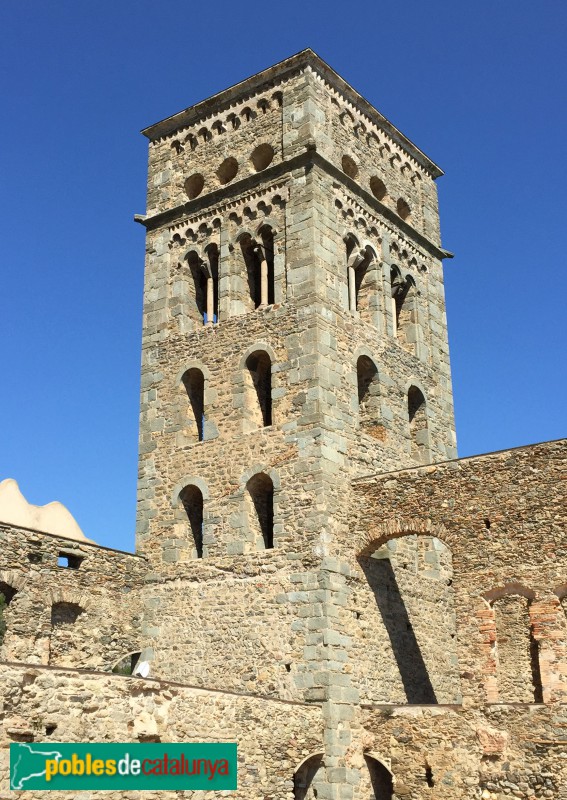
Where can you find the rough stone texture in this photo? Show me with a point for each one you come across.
(405, 636)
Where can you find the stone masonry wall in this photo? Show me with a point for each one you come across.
(100, 589)
(503, 517)
(48, 705)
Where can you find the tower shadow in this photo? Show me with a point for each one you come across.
(413, 671)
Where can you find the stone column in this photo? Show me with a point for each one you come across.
(351, 289)
(263, 277)
(210, 300)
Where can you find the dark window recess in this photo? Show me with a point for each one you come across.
(69, 561)
(35, 558)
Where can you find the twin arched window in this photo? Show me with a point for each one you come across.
(259, 504)
(258, 254)
(404, 308)
(205, 275)
(358, 262)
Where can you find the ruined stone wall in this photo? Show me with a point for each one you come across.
(496, 752)
(82, 615)
(50, 705)
(502, 516)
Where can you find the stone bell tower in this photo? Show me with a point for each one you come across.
(294, 338)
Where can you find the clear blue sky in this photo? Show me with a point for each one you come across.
(480, 87)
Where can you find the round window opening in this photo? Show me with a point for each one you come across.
(349, 167)
(403, 209)
(227, 170)
(378, 188)
(262, 156)
(194, 185)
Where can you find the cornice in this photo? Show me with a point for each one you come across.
(272, 178)
(275, 76)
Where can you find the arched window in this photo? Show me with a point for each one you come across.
(517, 651)
(259, 394)
(212, 310)
(368, 391)
(127, 664)
(194, 383)
(358, 262)
(417, 415)
(380, 779)
(260, 494)
(259, 260)
(192, 499)
(404, 308)
(304, 777)
(199, 276)
(205, 275)
(66, 643)
(250, 254)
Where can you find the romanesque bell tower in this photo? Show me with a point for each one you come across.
(294, 339)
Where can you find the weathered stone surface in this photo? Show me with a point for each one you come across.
(314, 578)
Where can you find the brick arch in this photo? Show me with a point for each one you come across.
(377, 535)
(507, 589)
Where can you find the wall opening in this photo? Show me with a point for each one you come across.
(418, 428)
(266, 254)
(127, 664)
(259, 395)
(259, 261)
(404, 308)
(69, 560)
(7, 594)
(199, 276)
(194, 382)
(252, 262)
(304, 778)
(212, 300)
(380, 779)
(368, 391)
(227, 170)
(262, 156)
(517, 652)
(192, 499)
(378, 187)
(194, 185)
(349, 167)
(260, 491)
